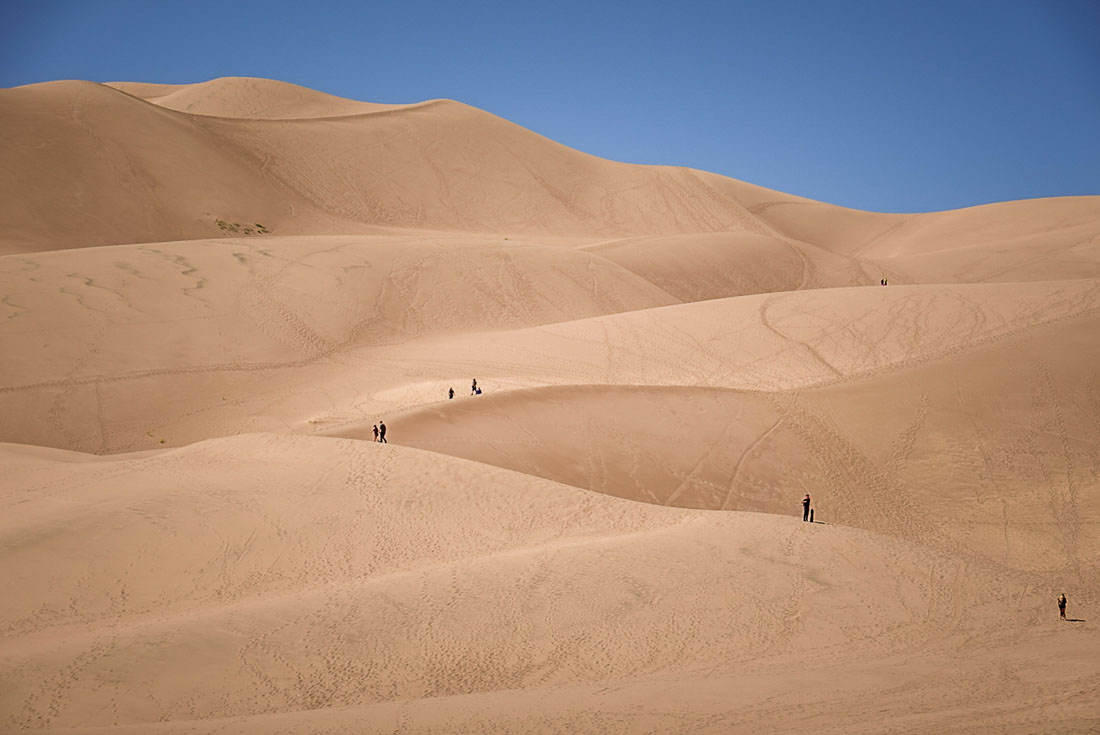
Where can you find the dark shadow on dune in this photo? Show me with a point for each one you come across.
(1075, 620)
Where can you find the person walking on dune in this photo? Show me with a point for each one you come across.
(1062, 605)
(806, 508)
(450, 393)
(376, 432)
(382, 432)
(473, 388)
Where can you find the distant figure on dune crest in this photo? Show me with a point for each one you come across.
(883, 281)
(806, 507)
(376, 432)
(473, 388)
(450, 393)
(1062, 605)
(478, 391)
(382, 432)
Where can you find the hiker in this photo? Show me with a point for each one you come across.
(473, 388)
(1062, 605)
(806, 507)
(382, 432)
(376, 432)
(450, 393)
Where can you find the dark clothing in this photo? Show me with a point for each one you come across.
(451, 393)
(382, 433)
(805, 509)
(1062, 606)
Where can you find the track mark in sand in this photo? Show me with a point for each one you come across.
(905, 441)
(1064, 501)
(100, 408)
(856, 484)
(813, 352)
(934, 355)
(744, 458)
(807, 267)
(890, 229)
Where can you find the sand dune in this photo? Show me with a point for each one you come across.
(992, 449)
(387, 585)
(244, 97)
(210, 294)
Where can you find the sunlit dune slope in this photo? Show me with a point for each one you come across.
(91, 164)
(149, 173)
(162, 331)
(1039, 239)
(713, 265)
(87, 165)
(335, 574)
(769, 342)
(993, 449)
(262, 99)
(290, 332)
(221, 288)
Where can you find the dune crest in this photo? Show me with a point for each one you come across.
(248, 97)
(212, 294)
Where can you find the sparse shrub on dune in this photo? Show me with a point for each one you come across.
(238, 229)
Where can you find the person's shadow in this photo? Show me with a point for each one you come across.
(1075, 620)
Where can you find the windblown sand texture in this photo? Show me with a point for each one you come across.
(210, 293)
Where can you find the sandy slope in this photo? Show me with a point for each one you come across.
(383, 582)
(606, 541)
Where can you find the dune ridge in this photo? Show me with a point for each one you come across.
(211, 294)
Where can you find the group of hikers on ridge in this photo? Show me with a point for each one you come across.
(380, 432)
(475, 390)
(380, 427)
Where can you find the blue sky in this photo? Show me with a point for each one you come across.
(878, 104)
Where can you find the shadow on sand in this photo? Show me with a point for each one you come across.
(1075, 620)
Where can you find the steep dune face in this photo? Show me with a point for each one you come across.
(221, 288)
(149, 173)
(85, 165)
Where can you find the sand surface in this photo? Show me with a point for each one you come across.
(211, 293)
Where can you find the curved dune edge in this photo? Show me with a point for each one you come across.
(207, 285)
(250, 98)
(152, 174)
(563, 594)
(886, 453)
(321, 333)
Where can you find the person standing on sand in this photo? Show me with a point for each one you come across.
(473, 388)
(450, 393)
(382, 432)
(806, 507)
(1062, 605)
(376, 432)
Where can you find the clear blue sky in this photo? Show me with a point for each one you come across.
(877, 104)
